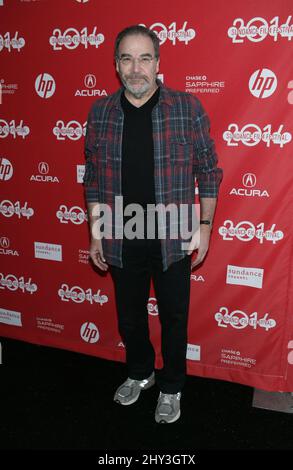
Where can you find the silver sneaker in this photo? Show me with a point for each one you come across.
(168, 407)
(130, 390)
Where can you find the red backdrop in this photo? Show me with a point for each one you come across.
(236, 57)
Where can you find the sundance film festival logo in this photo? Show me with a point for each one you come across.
(45, 85)
(11, 43)
(6, 169)
(11, 128)
(262, 83)
(78, 295)
(90, 87)
(71, 38)
(251, 135)
(257, 29)
(13, 283)
(172, 32)
(75, 215)
(249, 188)
(73, 130)
(8, 209)
(246, 231)
(239, 320)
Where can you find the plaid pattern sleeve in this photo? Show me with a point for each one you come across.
(90, 176)
(205, 159)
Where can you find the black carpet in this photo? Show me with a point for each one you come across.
(57, 399)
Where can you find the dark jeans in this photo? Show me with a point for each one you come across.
(141, 260)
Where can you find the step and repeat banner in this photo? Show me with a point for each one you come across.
(236, 57)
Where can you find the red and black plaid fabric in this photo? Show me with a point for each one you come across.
(183, 150)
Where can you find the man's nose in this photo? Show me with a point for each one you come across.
(135, 65)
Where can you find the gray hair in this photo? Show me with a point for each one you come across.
(134, 30)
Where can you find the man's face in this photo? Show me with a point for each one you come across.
(137, 65)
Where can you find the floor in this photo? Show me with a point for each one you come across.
(57, 399)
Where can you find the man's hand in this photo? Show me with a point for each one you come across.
(96, 249)
(200, 241)
(96, 254)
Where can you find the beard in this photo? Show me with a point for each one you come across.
(137, 91)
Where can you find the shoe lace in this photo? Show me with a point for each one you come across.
(167, 398)
(130, 382)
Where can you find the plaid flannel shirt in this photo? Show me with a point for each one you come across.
(183, 150)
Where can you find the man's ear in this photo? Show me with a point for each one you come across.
(158, 66)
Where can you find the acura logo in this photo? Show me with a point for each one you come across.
(43, 168)
(4, 242)
(249, 180)
(90, 80)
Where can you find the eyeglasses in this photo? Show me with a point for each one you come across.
(143, 61)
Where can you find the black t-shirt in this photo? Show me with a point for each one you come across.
(138, 152)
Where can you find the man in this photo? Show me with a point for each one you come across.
(147, 143)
